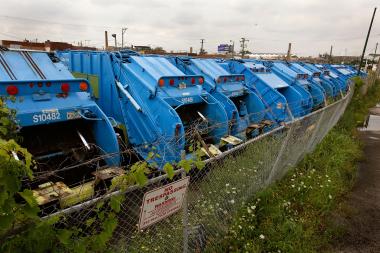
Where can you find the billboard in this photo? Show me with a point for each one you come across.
(224, 48)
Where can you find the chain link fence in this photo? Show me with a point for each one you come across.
(214, 194)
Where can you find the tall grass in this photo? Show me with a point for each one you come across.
(293, 214)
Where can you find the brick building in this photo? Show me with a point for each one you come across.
(45, 46)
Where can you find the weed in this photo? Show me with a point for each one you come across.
(293, 214)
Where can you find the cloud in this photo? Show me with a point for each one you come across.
(312, 26)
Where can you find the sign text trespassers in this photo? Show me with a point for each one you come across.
(162, 202)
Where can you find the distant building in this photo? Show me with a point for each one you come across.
(148, 50)
(43, 46)
(269, 56)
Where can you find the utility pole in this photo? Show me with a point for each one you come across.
(202, 50)
(114, 35)
(366, 41)
(232, 47)
(123, 30)
(330, 57)
(106, 39)
(374, 55)
(288, 55)
(243, 46)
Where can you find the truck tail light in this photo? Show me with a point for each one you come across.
(12, 90)
(65, 87)
(83, 86)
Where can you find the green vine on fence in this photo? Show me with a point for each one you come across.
(21, 227)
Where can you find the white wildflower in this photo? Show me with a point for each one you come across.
(262, 237)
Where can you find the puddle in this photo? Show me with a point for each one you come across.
(372, 123)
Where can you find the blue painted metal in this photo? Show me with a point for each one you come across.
(343, 73)
(331, 90)
(324, 76)
(40, 101)
(311, 95)
(294, 76)
(321, 77)
(333, 76)
(156, 102)
(243, 106)
(264, 84)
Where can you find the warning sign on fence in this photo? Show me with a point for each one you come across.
(162, 202)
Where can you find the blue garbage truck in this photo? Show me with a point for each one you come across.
(312, 94)
(160, 111)
(59, 124)
(314, 76)
(274, 92)
(246, 111)
(323, 75)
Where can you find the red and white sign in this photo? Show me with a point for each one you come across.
(162, 202)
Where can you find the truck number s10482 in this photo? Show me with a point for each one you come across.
(46, 116)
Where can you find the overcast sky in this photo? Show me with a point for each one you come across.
(311, 25)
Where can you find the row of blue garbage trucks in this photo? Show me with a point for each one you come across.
(78, 112)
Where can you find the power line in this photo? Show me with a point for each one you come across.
(54, 22)
(11, 36)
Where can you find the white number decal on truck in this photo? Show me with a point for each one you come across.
(46, 116)
(187, 100)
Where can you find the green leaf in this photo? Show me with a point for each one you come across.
(31, 211)
(101, 215)
(185, 164)
(27, 195)
(169, 169)
(115, 202)
(90, 221)
(6, 221)
(64, 236)
(99, 205)
(5, 121)
(141, 178)
(199, 164)
(3, 130)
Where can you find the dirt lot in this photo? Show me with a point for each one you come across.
(362, 222)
